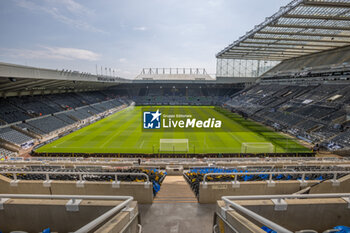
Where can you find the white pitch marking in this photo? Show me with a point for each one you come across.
(110, 139)
(141, 144)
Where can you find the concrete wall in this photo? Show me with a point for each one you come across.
(67, 164)
(235, 220)
(215, 190)
(35, 215)
(316, 214)
(301, 162)
(329, 187)
(120, 222)
(137, 190)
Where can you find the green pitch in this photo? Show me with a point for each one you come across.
(122, 133)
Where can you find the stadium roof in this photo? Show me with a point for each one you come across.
(184, 74)
(302, 27)
(24, 80)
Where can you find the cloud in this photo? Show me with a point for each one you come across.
(122, 60)
(65, 11)
(55, 53)
(72, 6)
(140, 29)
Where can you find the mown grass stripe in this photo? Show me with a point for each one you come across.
(122, 133)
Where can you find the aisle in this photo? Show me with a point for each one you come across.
(175, 210)
(175, 189)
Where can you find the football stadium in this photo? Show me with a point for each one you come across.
(261, 144)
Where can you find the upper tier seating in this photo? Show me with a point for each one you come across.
(35, 105)
(179, 100)
(90, 99)
(67, 101)
(10, 113)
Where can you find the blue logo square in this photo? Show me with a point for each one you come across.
(151, 120)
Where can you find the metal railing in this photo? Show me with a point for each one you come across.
(200, 162)
(80, 174)
(140, 227)
(91, 225)
(229, 202)
(259, 160)
(302, 173)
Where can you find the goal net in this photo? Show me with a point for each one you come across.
(173, 145)
(257, 147)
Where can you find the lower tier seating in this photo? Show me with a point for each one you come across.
(155, 176)
(195, 176)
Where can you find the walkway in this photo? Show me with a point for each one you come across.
(175, 210)
(175, 189)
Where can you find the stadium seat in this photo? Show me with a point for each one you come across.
(155, 176)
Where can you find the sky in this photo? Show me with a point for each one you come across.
(125, 35)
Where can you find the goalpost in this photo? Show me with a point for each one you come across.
(257, 147)
(173, 145)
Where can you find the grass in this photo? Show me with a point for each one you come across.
(122, 133)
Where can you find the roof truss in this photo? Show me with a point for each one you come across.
(302, 27)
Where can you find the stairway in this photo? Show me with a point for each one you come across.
(175, 189)
(175, 210)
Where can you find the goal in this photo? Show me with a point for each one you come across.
(173, 145)
(257, 147)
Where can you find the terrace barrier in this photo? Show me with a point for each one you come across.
(270, 181)
(280, 205)
(80, 182)
(73, 203)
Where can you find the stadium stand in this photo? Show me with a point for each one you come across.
(47, 124)
(10, 113)
(28, 120)
(34, 105)
(263, 213)
(67, 101)
(12, 136)
(301, 110)
(155, 177)
(196, 176)
(287, 78)
(16, 109)
(6, 153)
(65, 117)
(100, 213)
(29, 128)
(80, 113)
